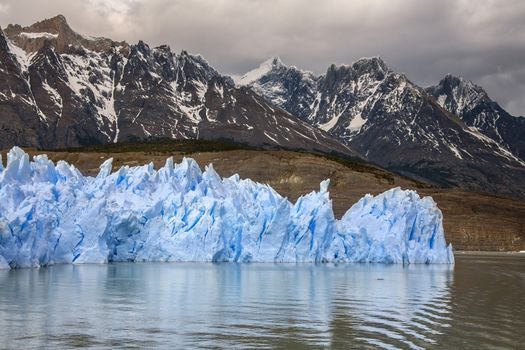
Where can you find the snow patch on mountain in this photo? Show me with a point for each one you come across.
(91, 78)
(356, 123)
(22, 57)
(39, 35)
(255, 74)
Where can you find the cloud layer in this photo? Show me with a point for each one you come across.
(482, 40)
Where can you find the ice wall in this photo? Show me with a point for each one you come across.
(53, 214)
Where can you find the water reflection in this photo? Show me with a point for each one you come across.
(228, 305)
(396, 307)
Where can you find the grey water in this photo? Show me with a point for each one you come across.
(477, 303)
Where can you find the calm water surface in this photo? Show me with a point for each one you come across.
(478, 303)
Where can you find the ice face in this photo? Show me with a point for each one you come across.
(53, 214)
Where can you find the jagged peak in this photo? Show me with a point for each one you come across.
(371, 65)
(452, 80)
(367, 65)
(60, 17)
(274, 62)
(264, 68)
(195, 65)
(142, 47)
(453, 84)
(54, 25)
(456, 80)
(163, 48)
(31, 38)
(58, 20)
(196, 58)
(457, 94)
(449, 77)
(374, 62)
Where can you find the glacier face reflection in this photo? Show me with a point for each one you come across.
(226, 305)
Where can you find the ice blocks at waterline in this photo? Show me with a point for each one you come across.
(52, 214)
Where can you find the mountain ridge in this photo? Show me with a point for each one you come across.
(80, 95)
(396, 124)
(66, 90)
(474, 106)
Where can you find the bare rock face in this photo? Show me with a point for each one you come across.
(84, 91)
(59, 34)
(401, 126)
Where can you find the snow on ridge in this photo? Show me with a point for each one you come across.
(78, 71)
(329, 125)
(497, 147)
(23, 58)
(53, 214)
(257, 73)
(39, 35)
(441, 100)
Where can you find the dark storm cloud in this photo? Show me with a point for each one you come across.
(482, 40)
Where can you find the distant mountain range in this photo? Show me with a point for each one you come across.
(59, 88)
(451, 134)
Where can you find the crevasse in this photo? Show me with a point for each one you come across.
(52, 214)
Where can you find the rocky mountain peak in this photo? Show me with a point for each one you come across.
(457, 94)
(163, 48)
(48, 28)
(55, 25)
(451, 81)
(264, 68)
(57, 31)
(275, 62)
(272, 63)
(371, 65)
(472, 104)
(141, 47)
(184, 57)
(368, 68)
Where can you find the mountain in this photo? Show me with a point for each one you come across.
(393, 122)
(61, 89)
(473, 105)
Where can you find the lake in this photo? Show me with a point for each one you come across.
(477, 303)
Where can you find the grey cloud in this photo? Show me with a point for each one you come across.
(481, 40)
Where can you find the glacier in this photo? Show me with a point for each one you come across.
(51, 213)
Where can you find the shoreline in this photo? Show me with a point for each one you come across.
(487, 253)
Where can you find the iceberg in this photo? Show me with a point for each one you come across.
(51, 213)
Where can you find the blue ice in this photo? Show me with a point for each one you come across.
(51, 213)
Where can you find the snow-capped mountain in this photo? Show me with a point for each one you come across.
(332, 102)
(472, 104)
(61, 89)
(394, 122)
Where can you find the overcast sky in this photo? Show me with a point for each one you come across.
(482, 40)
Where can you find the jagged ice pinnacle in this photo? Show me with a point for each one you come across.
(52, 214)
